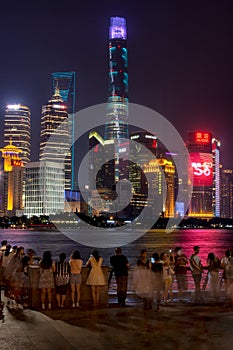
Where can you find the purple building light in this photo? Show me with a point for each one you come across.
(117, 28)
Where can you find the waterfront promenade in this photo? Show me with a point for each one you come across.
(179, 326)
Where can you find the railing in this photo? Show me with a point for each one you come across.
(190, 282)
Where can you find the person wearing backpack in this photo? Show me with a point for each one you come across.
(213, 264)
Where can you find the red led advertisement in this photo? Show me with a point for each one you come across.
(202, 165)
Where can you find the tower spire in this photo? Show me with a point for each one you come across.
(57, 90)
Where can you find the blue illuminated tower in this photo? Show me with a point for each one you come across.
(117, 114)
(66, 81)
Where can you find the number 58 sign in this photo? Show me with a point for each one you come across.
(202, 166)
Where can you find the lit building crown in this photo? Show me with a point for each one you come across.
(117, 28)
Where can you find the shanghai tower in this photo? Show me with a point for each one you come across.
(117, 114)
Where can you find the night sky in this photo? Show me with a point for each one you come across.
(180, 58)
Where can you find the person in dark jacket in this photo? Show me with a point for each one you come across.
(120, 266)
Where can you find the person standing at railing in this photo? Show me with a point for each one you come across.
(96, 277)
(142, 280)
(46, 281)
(181, 262)
(157, 280)
(120, 267)
(213, 264)
(76, 264)
(196, 268)
(167, 273)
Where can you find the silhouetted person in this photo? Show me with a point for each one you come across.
(120, 266)
(196, 269)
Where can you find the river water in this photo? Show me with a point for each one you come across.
(215, 240)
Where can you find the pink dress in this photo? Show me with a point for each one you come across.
(96, 276)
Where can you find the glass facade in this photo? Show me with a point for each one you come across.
(44, 188)
(17, 128)
(55, 135)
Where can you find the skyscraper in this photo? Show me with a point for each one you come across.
(44, 188)
(216, 177)
(17, 128)
(117, 115)
(13, 179)
(55, 135)
(67, 87)
(227, 193)
(204, 155)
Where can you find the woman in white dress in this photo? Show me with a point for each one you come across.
(96, 277)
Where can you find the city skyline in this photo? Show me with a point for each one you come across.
(179, 60)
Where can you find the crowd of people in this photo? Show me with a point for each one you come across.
(153, 276)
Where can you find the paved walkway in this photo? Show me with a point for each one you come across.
(179, 326)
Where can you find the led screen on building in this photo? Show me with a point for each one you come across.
(202, 166)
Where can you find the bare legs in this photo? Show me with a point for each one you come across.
(95, 292)
(167, 289)
(75, 287)
(43, 295)
(60, 300)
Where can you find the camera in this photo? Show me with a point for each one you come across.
(152, 260)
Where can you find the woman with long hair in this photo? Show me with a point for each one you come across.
(62, 278)
(96, 277)
(75, 276)
(46, 282)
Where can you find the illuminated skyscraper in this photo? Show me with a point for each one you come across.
(17, 128)
(117, 115)
(161, 185)
(55, 135)
(44, 188)
(216, 177)
(67, 87)
(205, 160)
(13, 179)
(227, 193)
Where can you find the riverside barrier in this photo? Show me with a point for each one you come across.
(85, 298)
(105, 291)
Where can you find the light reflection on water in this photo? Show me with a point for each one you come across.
(216, 241)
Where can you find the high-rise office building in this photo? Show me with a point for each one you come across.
(67, 89)
(205, 160)
(227, 193)
(55, 135)
(17, 128)
(160, 174)
(13, 179)
(117, 115)
(44, 188)
(216, 177)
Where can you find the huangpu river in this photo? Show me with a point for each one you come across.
(216, 240)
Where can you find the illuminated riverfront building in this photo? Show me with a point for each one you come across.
(44, 188)
(216, 177)
(117, 115)
(205, 161)
(227, 193)
(55, 135)
(17, 127)
(67, 89)
(160, 175)
(116, 126)
(13, 180)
